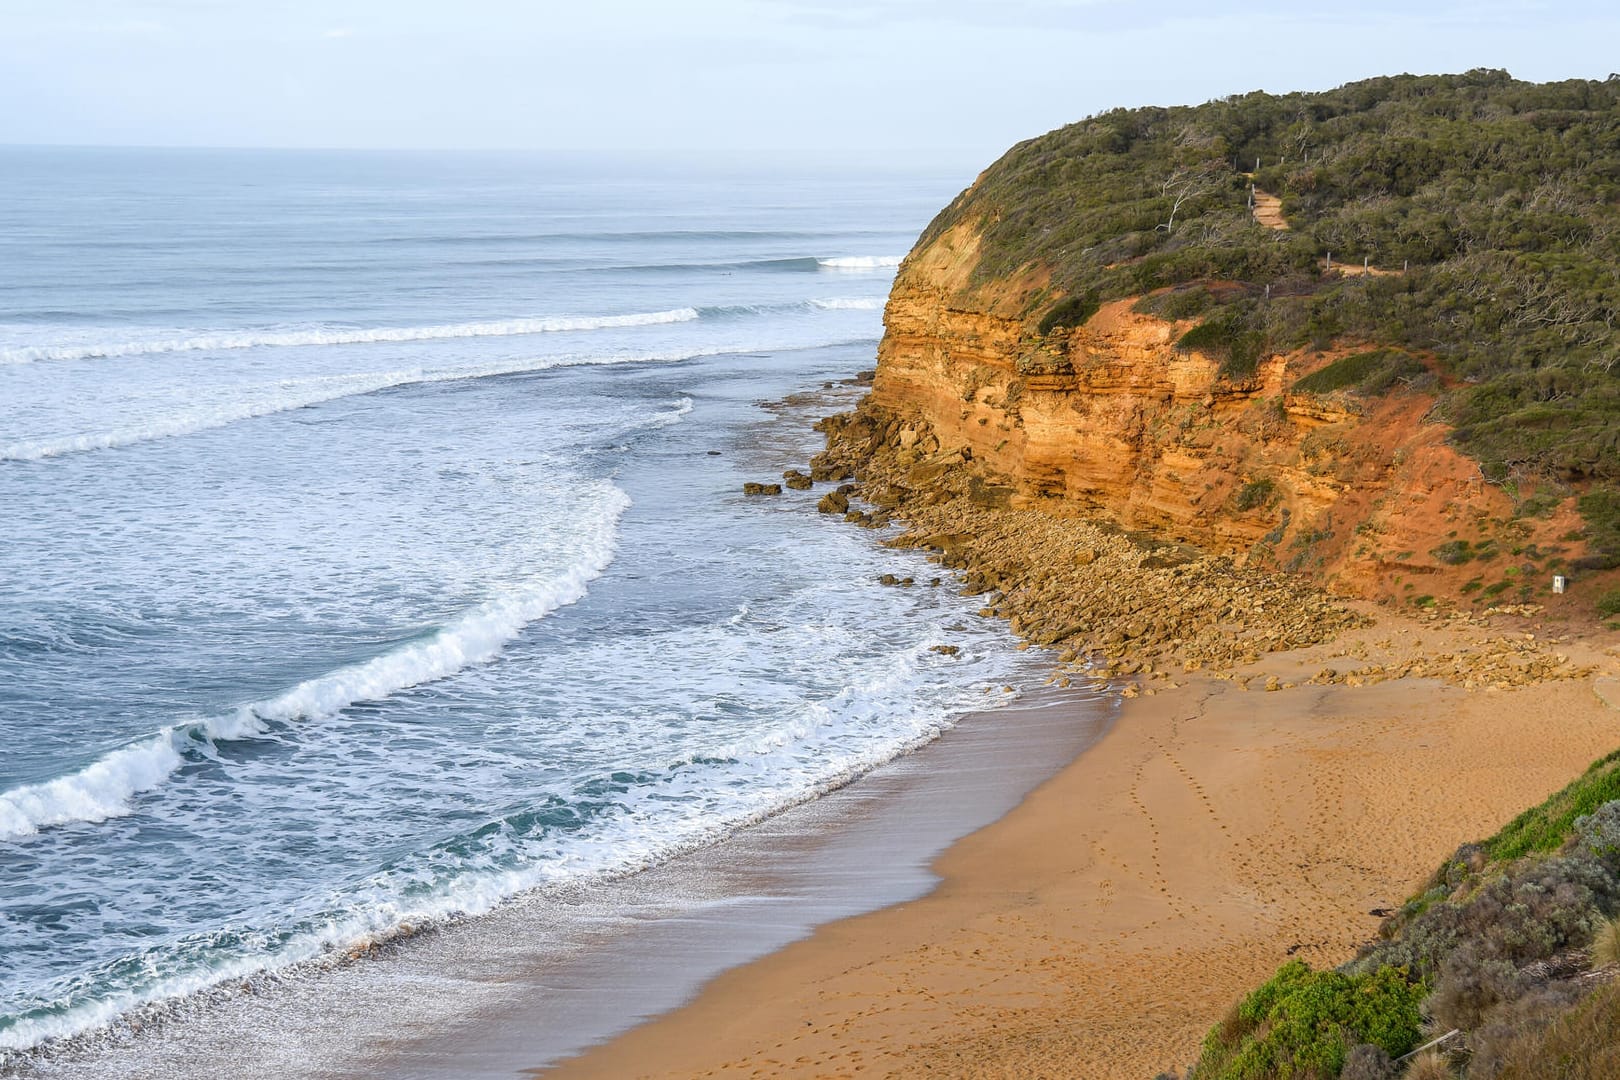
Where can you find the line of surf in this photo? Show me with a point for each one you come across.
(298, 394)
(667, 813)
(342, 336)
(107, 787)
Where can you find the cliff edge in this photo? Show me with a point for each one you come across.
(1116, 319)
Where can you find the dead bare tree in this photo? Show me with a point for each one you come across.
(1190, 182)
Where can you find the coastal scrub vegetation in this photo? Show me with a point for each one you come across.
(1507, 958)
(1488, 209)
(1304, 1023)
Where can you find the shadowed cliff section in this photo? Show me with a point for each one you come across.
(1104, 322)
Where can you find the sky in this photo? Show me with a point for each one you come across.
(945, 80)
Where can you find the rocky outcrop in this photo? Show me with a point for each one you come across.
(1111, 419)
(1128, 604)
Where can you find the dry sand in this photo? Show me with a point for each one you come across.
(1104, 925)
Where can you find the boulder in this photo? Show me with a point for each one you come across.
(830, 471)
(752, 488)
(833, 503)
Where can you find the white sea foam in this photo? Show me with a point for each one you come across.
(860, 262)
(342, 336)
(107, 786)
(475, 638)
(849, 303)
(865, 724)
(283, 397)
(101, 790)
(299, 394)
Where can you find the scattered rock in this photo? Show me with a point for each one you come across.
(946, 650)
(797, 480)
(752, 488)
(832, 503)
(1099, 592)
(830, 472)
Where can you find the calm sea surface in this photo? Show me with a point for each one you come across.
(372, 546)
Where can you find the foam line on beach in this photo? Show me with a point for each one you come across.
(685, 805)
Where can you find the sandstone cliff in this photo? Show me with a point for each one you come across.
(1111, 419)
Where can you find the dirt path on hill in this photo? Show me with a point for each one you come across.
(1268, 210)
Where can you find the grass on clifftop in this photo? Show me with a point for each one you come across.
(1499, 199)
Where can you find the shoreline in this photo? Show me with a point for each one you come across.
(1104, 924)
(551, 973)
(1287, 766)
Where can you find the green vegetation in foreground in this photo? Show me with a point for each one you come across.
(1496, 946)
(1304, 1022)
(1500, 199)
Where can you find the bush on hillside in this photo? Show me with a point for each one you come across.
(1071, 312)
(1371, 373)
(1304, 1023)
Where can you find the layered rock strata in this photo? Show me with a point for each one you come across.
(1362, 495)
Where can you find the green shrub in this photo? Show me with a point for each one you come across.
(1183, 302)
(1453, 552)
(1227, 335)
(1371, 373)
(1304, 1022)
(1255, 494)
(1071, 311)
(1609, 603)
(1539, 505)
(1601, 509)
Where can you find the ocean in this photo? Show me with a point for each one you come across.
(373, 550)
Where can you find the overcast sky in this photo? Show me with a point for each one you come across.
(956, 80)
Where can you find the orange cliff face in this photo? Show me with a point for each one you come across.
(1365, 496)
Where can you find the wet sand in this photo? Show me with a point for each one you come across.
(1101, 927)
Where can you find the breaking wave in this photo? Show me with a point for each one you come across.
(860, 262)
(342, 336)
(106, 787)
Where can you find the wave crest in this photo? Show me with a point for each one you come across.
(860, 262)
(343, 336)
(107, 787)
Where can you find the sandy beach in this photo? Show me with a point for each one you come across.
(1101, 927)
